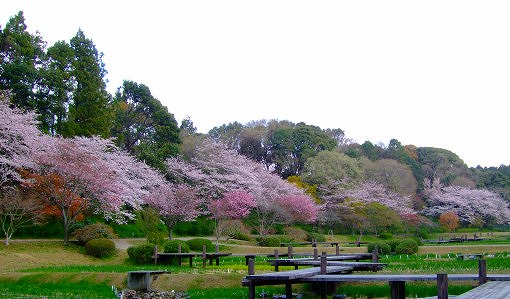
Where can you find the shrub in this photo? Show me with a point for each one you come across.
(408, 246)
(241, 236)
(172, 246)
(198, 244)
(268, 241)
(100, 247)
(93, 231)
(393, 244)
(386, 236)
(156, 237)
(318, 237)
(141, 254)
(382, 248)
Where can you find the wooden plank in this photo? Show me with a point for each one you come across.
(490, 290)
(296, 274)
(389, 277)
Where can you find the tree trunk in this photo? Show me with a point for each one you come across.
(170, 233)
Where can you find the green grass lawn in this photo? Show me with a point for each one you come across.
(51, 269)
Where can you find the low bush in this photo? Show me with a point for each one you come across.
(315, 236)
(93, 231)
(156, 237)
(172, 246)
(386, 236)
(241, 236)
(408, 246)
(100, 247)
(141, 254)
(268, 241)
(198, 244)
(382, 248)
(393, 244)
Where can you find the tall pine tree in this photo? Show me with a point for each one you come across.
(90, 110)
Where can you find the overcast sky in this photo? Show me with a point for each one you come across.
(428, 73)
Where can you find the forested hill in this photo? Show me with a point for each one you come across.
(65, 84)
(300, 149)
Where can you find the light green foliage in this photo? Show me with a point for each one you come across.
(330, 166)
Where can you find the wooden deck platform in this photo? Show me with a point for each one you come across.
(489, 290)
(334, 272)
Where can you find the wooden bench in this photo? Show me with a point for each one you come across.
(142, 279)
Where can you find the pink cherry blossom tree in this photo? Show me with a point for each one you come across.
(19, 138)
(368, 192)
(175, 203)
(215, 170)
(82, 175)
(233, 205)
(471, 205)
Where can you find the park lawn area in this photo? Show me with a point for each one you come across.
(49, 268)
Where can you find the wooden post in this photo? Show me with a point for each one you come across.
(179, 249)
(316, 254)
(155, 254)
(482, 271)
(324, 263)
(288, 290)
(337, 249)
(375, 259)
(204, 256)
(398, 289)
(251, 266)
(442, 286)
(251, 289)
(276, 262)
(290, 255)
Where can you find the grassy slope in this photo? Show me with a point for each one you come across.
(50, 264)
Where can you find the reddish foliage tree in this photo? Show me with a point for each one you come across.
(449, 220)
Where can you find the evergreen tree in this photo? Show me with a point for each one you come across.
(143, 126)
(90, 111)
(21, 57)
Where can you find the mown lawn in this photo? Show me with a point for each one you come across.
(51, 269)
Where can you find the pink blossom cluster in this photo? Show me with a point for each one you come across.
(469, 204)
(368, 192)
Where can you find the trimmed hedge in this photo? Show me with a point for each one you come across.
(198, 244)
(408, 246)
(268, 241)
(382, 248)
(141, 254)
(93, 231)
(100, 247)
(172, 246)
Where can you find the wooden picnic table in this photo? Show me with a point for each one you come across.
(165, 258)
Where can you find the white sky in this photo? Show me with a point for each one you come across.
(428, 73)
